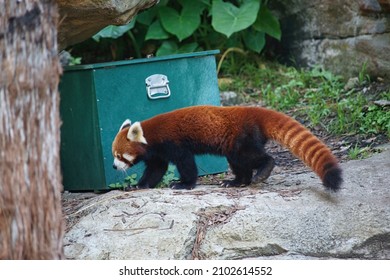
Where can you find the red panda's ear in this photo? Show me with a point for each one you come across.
(125, 124)
(136, 133)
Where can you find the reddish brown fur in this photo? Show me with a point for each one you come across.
(224, 124)
(221, 126)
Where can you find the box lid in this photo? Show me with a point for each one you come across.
(139, 60)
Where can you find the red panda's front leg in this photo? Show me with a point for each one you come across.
(154, 172)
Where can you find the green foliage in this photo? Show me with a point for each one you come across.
(132, 180)
(171, 47)
(355, 114)
(267, 23)
(228, 18)
(363, 76)
(354, 152)
(316, 95)
(74, 61)
(128, 181)
(181, 23)
(178, 26)
(359, 153)
(113, 32)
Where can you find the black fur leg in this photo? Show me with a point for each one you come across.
(188, 171)
(154, 171)
(243, 175)
(247, 155)
(267, 164)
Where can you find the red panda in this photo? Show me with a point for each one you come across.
(238, 133)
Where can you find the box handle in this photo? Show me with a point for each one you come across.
(157, 86)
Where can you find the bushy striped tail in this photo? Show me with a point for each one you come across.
(303, 144)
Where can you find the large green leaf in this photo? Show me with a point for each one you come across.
(268, 23)
(182, 25)
(170, 47)
(156, 32)
(254, 40)
(113, 31)
(196, 6)
(205, 2)
(227, 18)
(167, 47)
(148, 16)
(188, 48)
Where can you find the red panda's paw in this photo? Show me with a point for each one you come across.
(129, 188)
(257, 179)
(232, 184)
(181, 186)
(264, 172)
(143, 187)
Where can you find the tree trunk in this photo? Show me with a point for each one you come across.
(31, 224)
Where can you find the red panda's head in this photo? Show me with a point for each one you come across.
(128, 146)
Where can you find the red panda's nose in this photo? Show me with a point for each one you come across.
(114, 166)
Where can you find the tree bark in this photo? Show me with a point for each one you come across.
(31, 225)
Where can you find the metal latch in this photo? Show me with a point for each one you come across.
(157, 86)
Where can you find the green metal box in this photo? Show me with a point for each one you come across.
(96, 99)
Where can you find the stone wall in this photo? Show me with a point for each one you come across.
(341, 35)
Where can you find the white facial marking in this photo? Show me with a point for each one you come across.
(129, 158)
(120, 164)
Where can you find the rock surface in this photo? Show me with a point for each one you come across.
(340, 35)
(230, 98)
(81, 19)
(290, 217)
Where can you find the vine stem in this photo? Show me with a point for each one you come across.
(135, 44)
(233, 49)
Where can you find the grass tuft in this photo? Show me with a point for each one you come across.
(315, 95)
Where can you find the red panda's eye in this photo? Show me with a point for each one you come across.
(119, 157)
